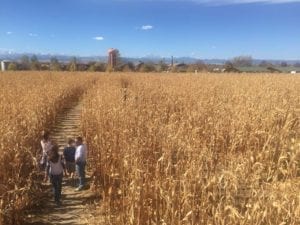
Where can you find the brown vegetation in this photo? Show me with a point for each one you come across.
(208, 149)
(29, 104)
(165, 149)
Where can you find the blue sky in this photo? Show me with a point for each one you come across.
(197, 28)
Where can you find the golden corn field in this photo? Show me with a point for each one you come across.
(29, 104)
(164, 149)
(207, 149)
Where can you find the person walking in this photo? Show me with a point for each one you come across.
(80, 160)
(69, 156)
(46, 144)
(55, 169)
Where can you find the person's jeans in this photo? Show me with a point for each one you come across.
(80, 169)
(56, 181)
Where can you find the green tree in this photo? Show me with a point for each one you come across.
(34, 63)
(100, 67)
(25, 62)
(128, 67)
(92, 67)
(242, 61)
(119, 60)
(229, 67)
(54, 64)
(147, 67)
(96, 67)
(73, 64)
(12, 66)
(162, 66)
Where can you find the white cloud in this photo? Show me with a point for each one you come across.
(147, 27)
(9, 32)
(32, 35)
(98, 38)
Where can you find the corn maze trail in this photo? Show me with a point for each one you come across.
(73, 210)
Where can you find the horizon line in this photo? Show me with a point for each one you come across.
(146, 56)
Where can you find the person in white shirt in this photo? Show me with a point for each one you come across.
(54, 170)
(80, 160)
(46, 144)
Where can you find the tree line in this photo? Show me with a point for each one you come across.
(33, 63)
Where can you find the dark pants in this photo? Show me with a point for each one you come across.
(56, 181)
(80, 169)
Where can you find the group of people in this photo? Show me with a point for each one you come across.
(55, 165)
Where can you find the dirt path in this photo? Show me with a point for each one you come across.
(74, 204)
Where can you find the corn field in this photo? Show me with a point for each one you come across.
(163, 149)
(29, 104)
(184, 149)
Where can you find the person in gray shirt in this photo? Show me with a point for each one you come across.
(55, 169)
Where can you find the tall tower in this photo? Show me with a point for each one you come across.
(112, 58)
(2, 66)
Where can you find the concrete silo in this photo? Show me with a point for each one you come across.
(4, 65)
(112, 57)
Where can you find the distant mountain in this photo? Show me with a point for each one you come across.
(186, 60)
(47, 57)
(154, 59)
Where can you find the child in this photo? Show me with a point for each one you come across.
(69, 155)
(55, 168)
(46, 147)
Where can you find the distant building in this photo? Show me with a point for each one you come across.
(112, 58)
(4, 65)
(178, 67)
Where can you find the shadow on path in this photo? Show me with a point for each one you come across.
(74, 203)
